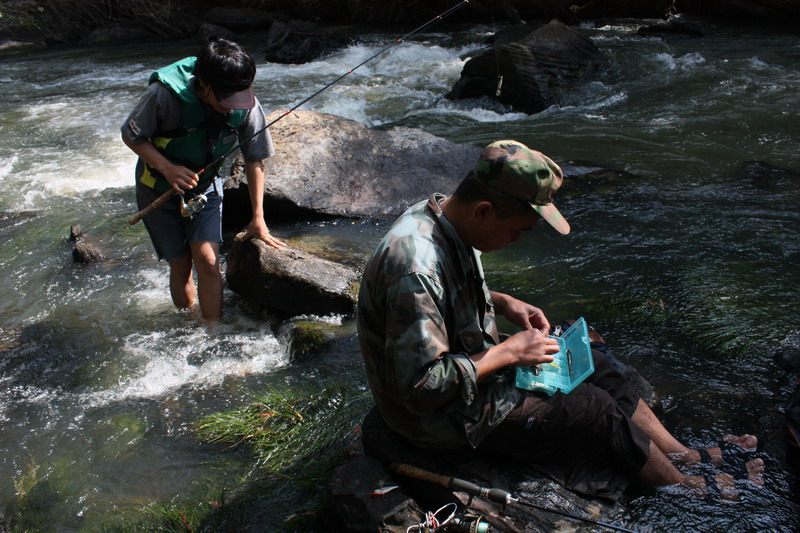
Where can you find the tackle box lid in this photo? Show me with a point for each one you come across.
(571, 365)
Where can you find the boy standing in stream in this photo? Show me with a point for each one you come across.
(192, 112)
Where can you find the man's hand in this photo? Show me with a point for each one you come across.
(179, 177)
(530, 347)
(519, 313)
(258, 229)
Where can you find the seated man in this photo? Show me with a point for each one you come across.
(442, 378)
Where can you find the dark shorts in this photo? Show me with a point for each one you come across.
(582, 438)
(170, 232)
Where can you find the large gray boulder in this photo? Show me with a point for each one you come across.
(538, 68)
(329, 166)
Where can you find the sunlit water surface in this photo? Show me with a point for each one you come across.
(686, 258)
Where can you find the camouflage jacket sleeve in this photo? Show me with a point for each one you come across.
(422, 374)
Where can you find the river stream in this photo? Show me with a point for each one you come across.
(686, 258)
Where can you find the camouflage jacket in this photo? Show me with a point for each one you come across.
(423, 309)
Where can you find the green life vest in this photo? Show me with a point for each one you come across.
(202, 135)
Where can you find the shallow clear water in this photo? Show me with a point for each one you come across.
(688, 265)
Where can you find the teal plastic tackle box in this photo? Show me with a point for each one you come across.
(571, 365)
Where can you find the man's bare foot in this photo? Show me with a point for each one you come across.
(709, 486)
(729, 446)
(755, 471)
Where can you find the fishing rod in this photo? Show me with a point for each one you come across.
(167, 195)
(492, 494)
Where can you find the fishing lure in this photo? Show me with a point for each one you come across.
(383, 491)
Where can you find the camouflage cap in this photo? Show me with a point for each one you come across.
(525, 174)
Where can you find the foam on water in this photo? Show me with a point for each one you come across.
(171, 360)
(413, 75)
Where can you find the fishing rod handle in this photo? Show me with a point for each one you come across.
(158, 202)
(453, 483)
(493, 494)
(418, 473)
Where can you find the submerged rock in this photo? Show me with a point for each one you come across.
(304, 337)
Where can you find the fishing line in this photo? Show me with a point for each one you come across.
(167, 195)
(499, 90)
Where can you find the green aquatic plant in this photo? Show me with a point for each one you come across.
(297, 437)
(163, 518)
(291, 441)
(278, 423)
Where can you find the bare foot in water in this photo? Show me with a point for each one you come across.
(730, 446)
(755, 471)
(704, 487)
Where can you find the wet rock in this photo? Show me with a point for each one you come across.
(353, 484)
(768, 177)
(84, 251)
(593, 9)
(776, 10)
(533, 72)
(10, 336)
(207, 30)
(328, 166)
(673, 26)
(11, 46)
(787, 355)
(238, 19)
(299, 41)
(289, 281)
(304, 336)
(114, 33)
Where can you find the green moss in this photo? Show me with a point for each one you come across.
(119, 433)
(353, 289)
(307, 337)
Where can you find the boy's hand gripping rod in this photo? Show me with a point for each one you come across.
(161, 200)
(492, 494)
